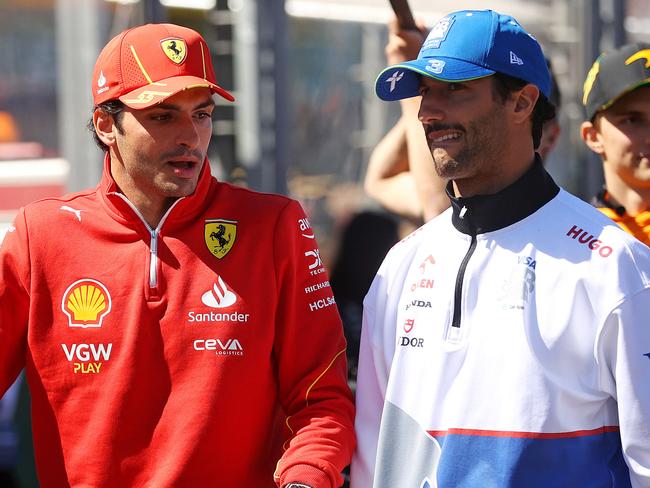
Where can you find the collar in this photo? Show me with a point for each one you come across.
(485, 213)
(604, 199)
(186, 208)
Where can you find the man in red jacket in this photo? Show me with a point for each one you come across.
(175, 330)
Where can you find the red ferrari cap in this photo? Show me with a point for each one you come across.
(145, 65)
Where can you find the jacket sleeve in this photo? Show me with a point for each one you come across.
(309, 349)
(625, 374)
(14, 302)
(372, 379)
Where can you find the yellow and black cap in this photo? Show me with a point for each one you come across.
(614, 74)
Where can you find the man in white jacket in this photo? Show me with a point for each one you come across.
(506, 343)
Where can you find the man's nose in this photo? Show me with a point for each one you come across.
(431, 109)
(187, 133)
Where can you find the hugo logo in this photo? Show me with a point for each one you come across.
(592, 243)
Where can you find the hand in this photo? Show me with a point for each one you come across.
(403, 44)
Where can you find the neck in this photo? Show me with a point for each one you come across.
(151, 206)
(635, 199)
(498, 176)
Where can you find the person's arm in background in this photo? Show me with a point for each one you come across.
(388, 179)
(400, 174)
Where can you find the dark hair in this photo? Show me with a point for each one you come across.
(556, 96)
(114, 108)
(543, 112)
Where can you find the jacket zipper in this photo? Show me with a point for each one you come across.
(458, 290)
(153, 245)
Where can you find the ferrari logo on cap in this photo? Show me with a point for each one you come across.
(220, 236)
(174, 49)
(643, 54)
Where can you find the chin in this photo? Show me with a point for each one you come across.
(179, 191)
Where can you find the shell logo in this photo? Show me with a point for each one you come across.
(86, 302)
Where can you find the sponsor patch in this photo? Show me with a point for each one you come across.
(87, 358)
(584, 237)
(316, 287)
(322, 303)
(86, 302)
(438, 33)
(422, 283)
(225, 347)
(315, 255)
(408, 325)
(435, 66)
(175, 49)
(305, 228)
(220, 236)
(514, 59)
(219, 296)
(393, 79)
(217, 317)
(416, 342)
(519, 286)
(418, 304)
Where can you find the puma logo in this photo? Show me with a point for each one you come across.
(76, 212)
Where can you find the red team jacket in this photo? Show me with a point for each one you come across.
(195, 354)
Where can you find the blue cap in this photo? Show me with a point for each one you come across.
(467, 45)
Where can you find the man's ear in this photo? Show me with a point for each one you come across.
(591, 137)
(104, 127)
(524, 102)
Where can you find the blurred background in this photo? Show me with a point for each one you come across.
(306, 117)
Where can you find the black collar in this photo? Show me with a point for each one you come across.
(604, 199)
(486, 213)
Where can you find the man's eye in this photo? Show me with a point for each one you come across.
(204, 115)
(160, 116)
(455, 86)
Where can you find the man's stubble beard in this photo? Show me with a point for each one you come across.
(483, 142)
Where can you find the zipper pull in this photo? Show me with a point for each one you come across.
(462, 212)
(153, 247)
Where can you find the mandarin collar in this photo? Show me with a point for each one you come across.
(186, 208)
(486, 213)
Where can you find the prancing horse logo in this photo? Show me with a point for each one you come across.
(220, 236)
(175, 49)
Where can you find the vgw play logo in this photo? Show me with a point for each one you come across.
(87, 358)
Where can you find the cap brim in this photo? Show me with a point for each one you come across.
(403, 80)
(154, 93)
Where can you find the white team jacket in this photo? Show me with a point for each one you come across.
(508, 345)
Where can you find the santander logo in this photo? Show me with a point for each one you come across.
(219, 296)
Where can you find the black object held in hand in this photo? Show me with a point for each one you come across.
(404, 14)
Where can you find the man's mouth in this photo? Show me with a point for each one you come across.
(183, 164)
(445, 137)
(184, 168)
